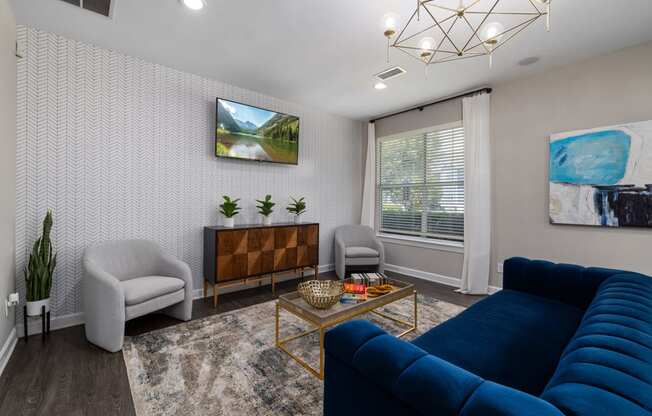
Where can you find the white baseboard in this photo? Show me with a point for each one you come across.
(432, 277)
(7, 349)
(65, 321)
(56, 322)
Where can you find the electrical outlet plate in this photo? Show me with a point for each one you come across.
(499, 266)
(10, 302)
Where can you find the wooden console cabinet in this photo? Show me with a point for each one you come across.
(246, 253)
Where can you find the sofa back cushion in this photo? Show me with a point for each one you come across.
(606, 369)
(567, 283)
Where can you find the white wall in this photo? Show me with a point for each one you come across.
(122, 148)
(602, 91)
(7, 165)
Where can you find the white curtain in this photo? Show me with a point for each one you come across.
(369, 189)
(477, 194)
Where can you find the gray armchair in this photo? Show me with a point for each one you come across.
(357, 246)
(127, 279)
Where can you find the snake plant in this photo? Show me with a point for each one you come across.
(40, 268)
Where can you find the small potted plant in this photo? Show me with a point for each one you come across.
(39, 271)
(297, 207)
(265, 209)
(229, 208)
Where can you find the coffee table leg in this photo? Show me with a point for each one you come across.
(321, 353)
(415, 309)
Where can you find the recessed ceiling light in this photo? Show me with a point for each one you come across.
(379, 85)
(528, 61)
(194, 4)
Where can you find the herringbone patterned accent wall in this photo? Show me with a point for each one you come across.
(122, 148)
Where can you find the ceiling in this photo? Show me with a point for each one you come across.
(324, 53)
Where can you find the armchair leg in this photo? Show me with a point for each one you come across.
(215, 295)
(205, 288)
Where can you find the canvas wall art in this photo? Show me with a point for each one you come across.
(602, 176)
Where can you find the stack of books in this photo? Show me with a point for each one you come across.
(354, 292)
(369, 279)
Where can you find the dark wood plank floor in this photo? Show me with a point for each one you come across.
(66, 375)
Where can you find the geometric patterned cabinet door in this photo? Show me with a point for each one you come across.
(247, 253)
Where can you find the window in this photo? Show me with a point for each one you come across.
(420, 184)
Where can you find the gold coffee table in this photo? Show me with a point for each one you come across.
(322, 319)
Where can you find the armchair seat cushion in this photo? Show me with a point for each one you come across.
(361, 252)
(361, 261)
(499, 337)
(142, 289)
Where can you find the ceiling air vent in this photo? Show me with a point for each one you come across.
(390, 73)
(102, 7)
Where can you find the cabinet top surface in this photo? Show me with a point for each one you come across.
(249, 226)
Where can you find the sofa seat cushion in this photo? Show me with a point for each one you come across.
(606, 369)
(142, 289)
(511, 338)
(356, 252)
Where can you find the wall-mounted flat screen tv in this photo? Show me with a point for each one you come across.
(246, 132)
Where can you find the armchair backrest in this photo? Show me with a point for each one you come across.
(356, 235)
(125, 259)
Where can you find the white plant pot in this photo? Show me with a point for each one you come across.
(297, 219)
(229, 222)
(267, 220)
(34, 308)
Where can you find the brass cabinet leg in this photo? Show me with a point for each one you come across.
(215, 295)
(316, 267)
(277, 324)
(321, 353)
(273, 285)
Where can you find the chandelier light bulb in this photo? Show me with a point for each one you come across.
(493, 32)
(427, 46)
(194, 4)
(390, 24)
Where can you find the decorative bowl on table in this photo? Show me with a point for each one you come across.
(321, 294)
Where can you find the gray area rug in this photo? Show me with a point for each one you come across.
(227, 364)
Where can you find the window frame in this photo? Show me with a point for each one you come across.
(409, 239)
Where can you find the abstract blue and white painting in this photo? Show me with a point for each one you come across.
(602, 176)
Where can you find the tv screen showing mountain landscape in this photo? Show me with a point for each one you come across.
(246, 132)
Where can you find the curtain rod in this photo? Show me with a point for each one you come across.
(422, 106)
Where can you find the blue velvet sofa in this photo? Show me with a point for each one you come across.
(558, 340)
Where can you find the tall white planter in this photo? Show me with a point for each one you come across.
(229, 222)
(34, 308)
(297, 219)
(267, 220)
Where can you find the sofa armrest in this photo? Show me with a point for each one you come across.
(567, 283)
(362, 360)
(104, 307)
(380, 248)
(171, 266)
(340, 256)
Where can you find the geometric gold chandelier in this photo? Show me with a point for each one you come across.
(448, 30)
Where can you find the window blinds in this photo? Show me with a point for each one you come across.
(420, 184)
